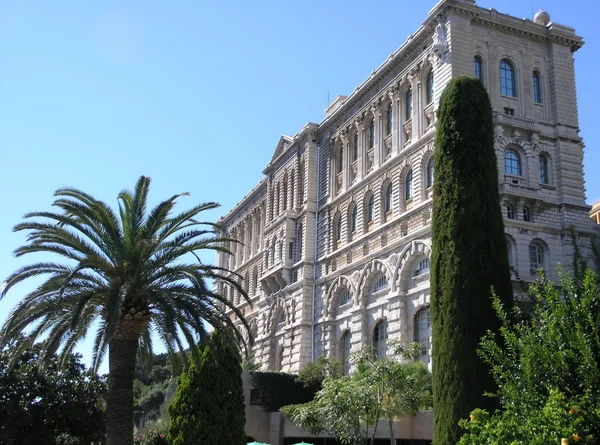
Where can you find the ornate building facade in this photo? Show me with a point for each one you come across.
(335, 240)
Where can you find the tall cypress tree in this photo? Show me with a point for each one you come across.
(469, 254)
(208, 407)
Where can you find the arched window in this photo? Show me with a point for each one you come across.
(422, 332)
(340, 159)
(345, 297)
(537, 87)
(388, 198)
(512, 163)
(430, 169)
(544, 176)
(421, 267)
(536, 257)
(338, 228)
(345, 346)
(389, 120)
(429, 88)
(371, 209)
(526, 214)
(354, 219)
(409, 104)
(408, 186)
(478, 67)
(372, 134)
(380, 339)
(507, 79)
(355, 147)
(380, 284)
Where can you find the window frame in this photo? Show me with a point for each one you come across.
(539, 255)
(408, 186)
(544, 170)
(346, 349)
(371, 209)
(422, 317)
(380, 284)
(508, 74)
(408, 108)
(478, 67)
(430, 171)
(380, 336)
(389, 194)
(354, 219)
(429, 87)
(509, 169)
(536, 80)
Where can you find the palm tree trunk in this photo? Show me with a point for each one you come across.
(121, 367)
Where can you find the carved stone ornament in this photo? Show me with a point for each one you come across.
(440, 41)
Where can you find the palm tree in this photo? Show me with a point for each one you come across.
(130, 277)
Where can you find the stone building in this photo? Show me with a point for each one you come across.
(595, 212)
(335, 240)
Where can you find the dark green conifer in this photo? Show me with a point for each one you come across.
(469, 254)
(208, 407)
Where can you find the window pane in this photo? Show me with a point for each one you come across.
(388, 198)
(512, 163)
(341, 159)
(430, 87)
(537, 88)
(345, 298)
(408, 191)
(389, 119)
(338, 234)
(372, 134)
(430, 169)
(536, 258)
(507, 79)
(477, 68)
(355, 147)
(354, 218)
(544, 170)
(422, 332)
(346, 345)
(371, 209)
(380, 284)
(380, 339)
(409, 104)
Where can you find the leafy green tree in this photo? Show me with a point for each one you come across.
(128, 274)
(547, 367)
(469, 254)
(346, 407)
(343, 408)
(62, 405)
(209, 404)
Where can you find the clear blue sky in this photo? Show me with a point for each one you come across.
(195, 94)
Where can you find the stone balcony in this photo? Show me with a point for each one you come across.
(509, 188)
(275, 278)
